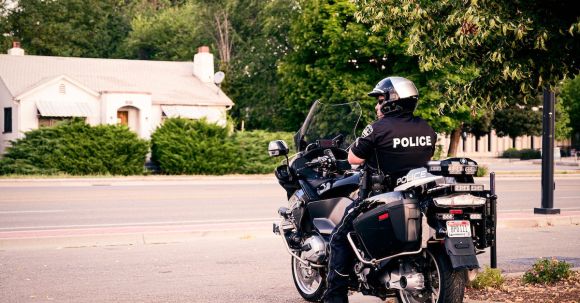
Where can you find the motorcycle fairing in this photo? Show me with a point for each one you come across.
(461, 252)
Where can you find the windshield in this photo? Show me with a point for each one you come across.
(327, 121)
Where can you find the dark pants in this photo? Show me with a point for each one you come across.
(341, 260)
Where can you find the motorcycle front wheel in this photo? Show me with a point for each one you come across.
(310, 282)
(444, 285)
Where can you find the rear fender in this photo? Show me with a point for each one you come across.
(461, 252)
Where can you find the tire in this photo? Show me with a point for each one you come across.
(310, 283)
(447, 285)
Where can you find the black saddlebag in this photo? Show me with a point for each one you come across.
(390, 228)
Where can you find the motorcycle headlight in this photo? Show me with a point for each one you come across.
(459, 200)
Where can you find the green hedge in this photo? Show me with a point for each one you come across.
(76, 148)
(253, 150)
(524, 154)
(182, 146)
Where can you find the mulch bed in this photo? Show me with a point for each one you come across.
(513, 290)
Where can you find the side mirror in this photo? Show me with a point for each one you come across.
(278, 148)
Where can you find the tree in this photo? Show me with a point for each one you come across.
(75, 28)
(172, 34)
(337, 59)
(516, 121)
(5, 37)
(570, 106)
(332, 58)
(253, 82)
(479, 126)
(515, 48)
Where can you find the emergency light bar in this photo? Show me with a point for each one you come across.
(453, 167)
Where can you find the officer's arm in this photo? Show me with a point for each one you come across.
(353, 159)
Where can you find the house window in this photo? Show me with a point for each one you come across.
(51, 121)
(62, 89)
(7, 119)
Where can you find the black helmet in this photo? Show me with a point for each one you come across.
(400, 94)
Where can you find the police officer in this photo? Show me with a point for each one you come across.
(394, 144)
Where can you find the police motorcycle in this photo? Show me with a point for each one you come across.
(414, 242)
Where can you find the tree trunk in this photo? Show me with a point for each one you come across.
(454, 142)
(514, 142)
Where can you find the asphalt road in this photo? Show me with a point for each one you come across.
(226, 268)
(104, 204)
(214, 269)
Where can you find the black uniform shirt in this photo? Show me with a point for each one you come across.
(399, 142)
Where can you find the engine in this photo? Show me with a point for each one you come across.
(314, 249)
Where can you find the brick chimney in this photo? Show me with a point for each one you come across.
(16, 50)
(203, 65)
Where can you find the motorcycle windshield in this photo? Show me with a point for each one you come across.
(327, 121)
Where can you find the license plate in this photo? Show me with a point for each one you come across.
(458, 229)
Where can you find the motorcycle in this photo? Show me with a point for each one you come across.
(414, 242)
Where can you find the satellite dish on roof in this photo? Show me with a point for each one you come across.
(218, 78)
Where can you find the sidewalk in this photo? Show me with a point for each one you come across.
(501, 166)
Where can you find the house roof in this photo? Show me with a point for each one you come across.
(169, 83)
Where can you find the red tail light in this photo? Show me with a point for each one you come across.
(456, 211)
(383, 216)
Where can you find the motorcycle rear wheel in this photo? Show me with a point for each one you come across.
(447, 285)
(309, 281)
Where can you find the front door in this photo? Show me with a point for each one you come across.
(123, 118)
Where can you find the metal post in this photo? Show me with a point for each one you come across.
(493, 248)
(548, 156)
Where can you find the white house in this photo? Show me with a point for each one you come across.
(39, 91)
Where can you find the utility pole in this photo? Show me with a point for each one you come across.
(548, 184)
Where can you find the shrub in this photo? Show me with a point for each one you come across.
(182, 146)
(490, 277)
(76, 148)
(481, 171)
(524, 154)
(547, 271)
(253, 150)
(527, 154)
(511, 153)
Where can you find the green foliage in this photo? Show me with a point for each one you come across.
(76, 148)
(252, 148)
(517, 121)
(547, 271)
(489, 277)
(336, 59)
(438, 152)
(570, 104)
(75, 28)
(514, 47)
(261, 29)
(527, 154)
(482, 171)
(182, 146)
(480, 125)
(524, 154)
(333, 58)
(511, 153)
(170, 34)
